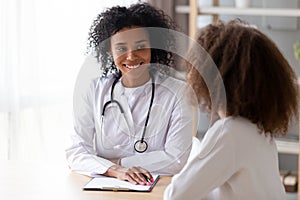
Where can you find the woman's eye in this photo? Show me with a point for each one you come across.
(121, 49)
(141, 47)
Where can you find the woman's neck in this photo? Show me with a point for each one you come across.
(131, 82)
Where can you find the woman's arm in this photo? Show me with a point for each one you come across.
(81, 154)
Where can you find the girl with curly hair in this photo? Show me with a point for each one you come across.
(238, 158)
(135, 119)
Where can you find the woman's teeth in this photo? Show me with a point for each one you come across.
(132, 67)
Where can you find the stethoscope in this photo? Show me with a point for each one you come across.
(141, 145)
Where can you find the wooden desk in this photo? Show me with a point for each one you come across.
(43, 181)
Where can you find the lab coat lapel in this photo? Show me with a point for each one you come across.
(120, 96)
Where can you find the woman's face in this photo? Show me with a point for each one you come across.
(130, 48)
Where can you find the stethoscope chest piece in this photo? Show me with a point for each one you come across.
(140, 146)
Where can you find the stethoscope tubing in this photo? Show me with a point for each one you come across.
(141, 141)
(149, 111)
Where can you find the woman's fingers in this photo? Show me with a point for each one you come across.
(140, 175)
(131, 179)
(147, 174)
(135, 175)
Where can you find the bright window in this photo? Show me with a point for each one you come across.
(42, 47)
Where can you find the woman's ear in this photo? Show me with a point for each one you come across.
(110, 56)
(109, 53)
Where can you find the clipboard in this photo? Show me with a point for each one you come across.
(103, 183)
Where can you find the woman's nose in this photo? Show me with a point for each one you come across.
(131, 55)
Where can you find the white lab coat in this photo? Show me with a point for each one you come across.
(169, 131)
(234, 162)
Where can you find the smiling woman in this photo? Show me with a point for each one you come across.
(134, 120)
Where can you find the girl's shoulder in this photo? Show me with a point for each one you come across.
(232, 126)
(227, 133)
(238, 123)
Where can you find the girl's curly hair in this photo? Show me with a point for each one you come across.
(142, 15)
(259, 83)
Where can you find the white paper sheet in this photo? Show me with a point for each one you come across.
(109, 183)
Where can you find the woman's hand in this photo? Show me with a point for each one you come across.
(135, 175)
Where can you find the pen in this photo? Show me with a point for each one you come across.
(147, 178)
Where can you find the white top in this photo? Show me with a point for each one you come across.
(234, 161)
(168, 134)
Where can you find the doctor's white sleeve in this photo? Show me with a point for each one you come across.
(81, 155)
(177, 145)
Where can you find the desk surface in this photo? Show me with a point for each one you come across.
(28, 180)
